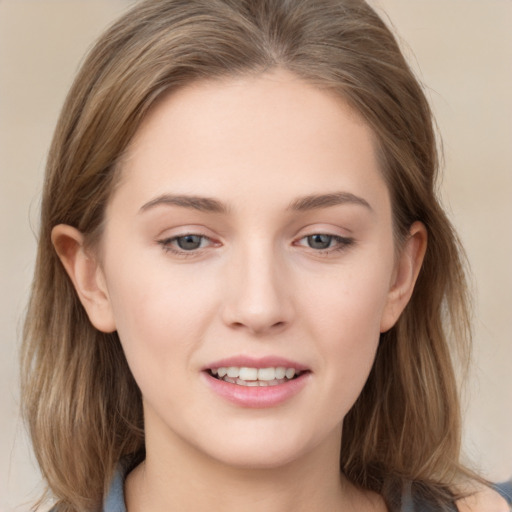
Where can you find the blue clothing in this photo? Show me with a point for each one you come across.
(114, 501)
(505, 489)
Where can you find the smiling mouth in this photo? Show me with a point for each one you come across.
(253, 377)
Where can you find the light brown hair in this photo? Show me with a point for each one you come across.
(82, 404)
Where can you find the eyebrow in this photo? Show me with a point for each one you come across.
(317, 201)
(202, 204)
(208, 204)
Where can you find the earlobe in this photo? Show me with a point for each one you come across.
(406, 272)
(86, 275)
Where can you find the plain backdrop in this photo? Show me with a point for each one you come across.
(462, 52)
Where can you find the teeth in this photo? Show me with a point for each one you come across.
(281, 372)
(246, 376)
(257, 383)
(267, 374)
(233, 372)
(290, 373)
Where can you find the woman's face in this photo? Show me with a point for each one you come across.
(251, 229)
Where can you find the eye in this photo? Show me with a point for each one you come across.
(185, 243)
(319, 241)
(189, 242)
(324, 242)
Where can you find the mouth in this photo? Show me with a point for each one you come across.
(250, 382)
(255, 377)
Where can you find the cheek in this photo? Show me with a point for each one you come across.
(154, 324)
(145, 307)
(149, 295)
(162, 313)
(344, 317)
(348, 304)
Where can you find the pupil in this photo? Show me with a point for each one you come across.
(319, 241)
(189, 242)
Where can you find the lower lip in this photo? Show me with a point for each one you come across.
(257, 396)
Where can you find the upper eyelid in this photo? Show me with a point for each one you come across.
(182, 235)
(325, 228)
(177, 232)
(335, 233)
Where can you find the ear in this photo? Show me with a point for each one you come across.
(406, 272)
(86, 274)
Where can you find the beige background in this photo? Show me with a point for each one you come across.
(461, 48)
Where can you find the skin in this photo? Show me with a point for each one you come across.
(254, 287)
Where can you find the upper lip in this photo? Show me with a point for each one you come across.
(255, 362)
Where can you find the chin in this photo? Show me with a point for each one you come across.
(260, 452)
(257, 459)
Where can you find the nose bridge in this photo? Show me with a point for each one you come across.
(257, 298)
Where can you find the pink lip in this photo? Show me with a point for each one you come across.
(257, 396)
(255, 362)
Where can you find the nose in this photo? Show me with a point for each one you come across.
(258, 295)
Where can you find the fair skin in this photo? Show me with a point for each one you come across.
(251, 223)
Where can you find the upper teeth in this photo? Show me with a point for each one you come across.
(245, 373)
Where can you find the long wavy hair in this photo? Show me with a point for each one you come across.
(83, 407)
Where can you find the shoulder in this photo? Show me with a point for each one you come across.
(484, 500)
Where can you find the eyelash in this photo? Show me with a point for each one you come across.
(341, 244)
(167, 245)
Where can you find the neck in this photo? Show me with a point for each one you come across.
(229, 491)
(178, 476)
(189, 481)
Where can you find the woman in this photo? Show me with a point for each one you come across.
(245, 282)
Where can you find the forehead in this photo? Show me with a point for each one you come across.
(251, 136)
